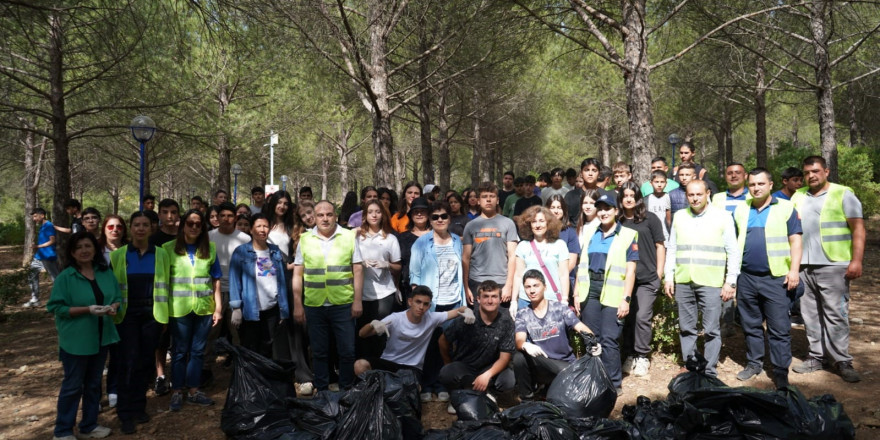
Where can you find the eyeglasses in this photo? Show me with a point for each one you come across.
(90, 218)
(436, 217)
(194, 224)
(115, 227)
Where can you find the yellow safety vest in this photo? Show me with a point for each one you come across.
(160, 283)
(191, 284)
(834, 230)
(328, 277)
(615, 267)
(700, 257)
(775, 234)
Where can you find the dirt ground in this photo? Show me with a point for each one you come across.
(30, 373)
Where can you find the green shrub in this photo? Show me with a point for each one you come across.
(12, 286)
(856, 167)
(665, 337)
(12, 233)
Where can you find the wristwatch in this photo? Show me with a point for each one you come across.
(627, 299)
(733, 286)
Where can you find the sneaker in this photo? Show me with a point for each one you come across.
(749, 372)
(443, 396)
(425, 397)
(32, 303)
(333, 387)
(306, 389)
(98, 432)
(199, 398)
(128, 427)
(142, 418)
(161, 386)
(797, 321)
(113, 398)
(66, 437)
(728, 331)
(176, 401)
(627, 366)
(641, 366)
(847, 372)
(450, 409)
(809, 365)
(780, 381)
(492, 397)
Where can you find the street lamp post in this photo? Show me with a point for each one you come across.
(142, 129)
(273, 141)
(284, 179)
(236, 171)
(674, 140)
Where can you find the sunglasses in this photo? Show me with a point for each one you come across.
(435, 217)
(194, 224)
(115, 227)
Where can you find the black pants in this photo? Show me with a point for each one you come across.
(261, 336)
(373, 309)
(530, 371)
(139, 335)
(459, 375)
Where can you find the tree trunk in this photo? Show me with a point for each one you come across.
(819, 13)
(443, 143)
(795, 143)
(853, 117)
(225, 161)
(475, 159)
(32, 168)
(639, 105)
(425, 110)
(399, 171)
(325, 173)
(343, 135)
(605, 142)
(383, 141)
(760, 115)
(60, 137)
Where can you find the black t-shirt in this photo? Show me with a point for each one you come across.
(99, 300)
(160, 238)
(502, 196)
(650, 233)
(525, 203)
(479, 345)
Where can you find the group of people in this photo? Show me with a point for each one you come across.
(481, 290)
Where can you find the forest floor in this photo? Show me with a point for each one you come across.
(30, 373)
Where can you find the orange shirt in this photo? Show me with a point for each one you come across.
(399, 224)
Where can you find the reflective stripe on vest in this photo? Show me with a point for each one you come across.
(834, 230)
(192, 288)
(615, 268)
(328, 277)
(699, 255)
(775, 234)
(160, 286)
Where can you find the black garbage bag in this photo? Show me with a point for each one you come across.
(519, 417)
(820, 417)
(256, 400)
(695, 379)
(546, 429)
(583, 389)
(367, 415)
(401, 391)
(472, 405)
(654, 420)
(299, 435)
(318, 415)
(594, 428)
(489, 429)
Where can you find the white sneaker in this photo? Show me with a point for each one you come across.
(450, 409)
(641, 367)
(627, 366)
(306, 389)
(425, 397)
(32, 303)
(113, 399)
(98, 432)
(443, 396)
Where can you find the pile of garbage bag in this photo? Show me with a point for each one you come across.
(261, 404)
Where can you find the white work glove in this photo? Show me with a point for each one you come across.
(380, 327)
(236, 317)
(533, 350)
(468, 316)
(99, 310)
(597, 350)
(378, 264)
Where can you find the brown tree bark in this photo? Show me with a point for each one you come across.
(60, 137)
(443, 158)
(33, 165)
(477, 155)
(639, 105)
(760, 115)
(819, 14)
(605, 142)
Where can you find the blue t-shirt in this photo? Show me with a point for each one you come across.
(599, 246)
(781, 195)
(140, 273)
(550, 332)
(47, 231)
(755, 253)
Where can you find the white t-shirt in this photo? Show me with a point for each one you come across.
(551, 253)
(266, 280)
(407, 341)
(279, 237)
(378, 283)
(226, 244)
(659, 206)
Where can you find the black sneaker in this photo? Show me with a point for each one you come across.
(749, 372)
(780, 381)
(128, 427)
(847, 372)
(161, 386)
(141, 418)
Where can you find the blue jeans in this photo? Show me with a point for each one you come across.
(82, 380)
(37, 266)
(320, 322)
(189, 334)
(602, 320)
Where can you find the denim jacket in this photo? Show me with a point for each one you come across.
(243, 284)
(423, 265)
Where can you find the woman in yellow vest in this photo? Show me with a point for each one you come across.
(142, 272)
(194, 305)
(606, 276)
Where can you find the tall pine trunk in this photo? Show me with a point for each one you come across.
(639, 105)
